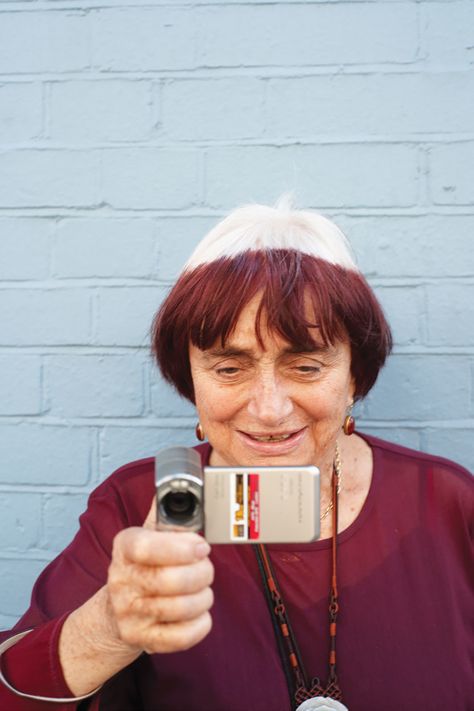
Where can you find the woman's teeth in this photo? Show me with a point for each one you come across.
(271, 438)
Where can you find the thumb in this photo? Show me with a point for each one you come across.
(150, 521)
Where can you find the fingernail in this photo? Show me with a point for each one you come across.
(202, 549)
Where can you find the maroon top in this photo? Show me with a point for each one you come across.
(405, 633)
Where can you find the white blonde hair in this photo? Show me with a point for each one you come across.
(260, 227)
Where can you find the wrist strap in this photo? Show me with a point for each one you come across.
(68, 700)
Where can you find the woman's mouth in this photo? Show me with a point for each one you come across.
(270, 438)
(272, 443)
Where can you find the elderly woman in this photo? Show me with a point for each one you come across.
(273, 333)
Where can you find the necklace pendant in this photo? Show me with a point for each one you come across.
(321, 703)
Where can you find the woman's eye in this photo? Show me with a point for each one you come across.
(308, 369)
(227, 371)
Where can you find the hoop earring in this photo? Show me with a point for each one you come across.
(349, 424)
(199, 432)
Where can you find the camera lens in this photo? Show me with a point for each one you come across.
(179, 505)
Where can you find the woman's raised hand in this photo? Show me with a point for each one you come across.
(157, 599)
(159, 588)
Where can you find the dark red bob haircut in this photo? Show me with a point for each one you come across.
(204, 306)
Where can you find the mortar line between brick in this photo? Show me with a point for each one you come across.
(292, 72)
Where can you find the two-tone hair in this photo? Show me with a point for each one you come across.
(300, 263)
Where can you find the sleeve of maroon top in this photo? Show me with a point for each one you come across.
(32, 665)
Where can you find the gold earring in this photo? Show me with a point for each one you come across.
(200, 432)
(349, 424)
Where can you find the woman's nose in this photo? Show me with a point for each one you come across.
(270, 402)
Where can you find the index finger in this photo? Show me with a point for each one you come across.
(145, 547)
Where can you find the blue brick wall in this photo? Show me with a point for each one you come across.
(127, 130)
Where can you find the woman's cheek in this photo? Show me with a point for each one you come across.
(216, 404)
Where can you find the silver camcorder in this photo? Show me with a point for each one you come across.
(236, 504)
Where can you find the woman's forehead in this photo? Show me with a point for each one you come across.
(252, 339)
(253, 325)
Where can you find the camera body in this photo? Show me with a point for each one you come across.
(236, 504)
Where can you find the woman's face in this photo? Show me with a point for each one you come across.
(271, 405)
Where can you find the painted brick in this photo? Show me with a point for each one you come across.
(429, 387)
(119, 445)
(6, 621)
(165, 400)
(20, 384)
(61, 513)
(125, 315)
(403, 307)
(150, 178)
(94, 386)
(472, 387)
(153, 38)
(21, 111)
(17, 578)
(284, 2)
(404, 436)
(427, 245)
(24, 248)
(452, 443)
(105, 248)
(49, 317)
(450, 314)
(44, 454)
(48, 41)
(322, 176)
(107, 111)
(177, 237)
(20, 515)
(296, 41)
(315, 34)
(448, 36)
(452, 174)
(213, 108)
(49, 178)
(310, 106)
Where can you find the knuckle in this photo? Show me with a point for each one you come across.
(162, 581)
(116, 551)
(115, 591)
(138, 548)
(118, 539)
(113, 580)
(130, 636)
(207, 623)
(140, 606)
(123, 607)
(157, 640)
(116, 573)
(121, 542)
(170, 637)
(187, 607)
(209, 598)
(209, 571)
(203, 573)
(197, 630)
(172, 581)
(198, 604)
(119, 607)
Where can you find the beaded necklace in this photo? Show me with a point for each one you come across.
(304, 696)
